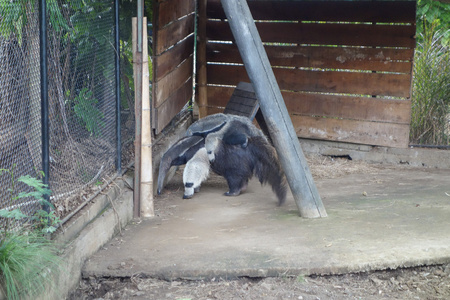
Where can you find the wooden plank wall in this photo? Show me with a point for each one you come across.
(344, 67)
(173, 48)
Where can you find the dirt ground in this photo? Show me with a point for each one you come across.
(428, 282)
(431, 282)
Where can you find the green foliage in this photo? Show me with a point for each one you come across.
(15, 214)
(26, 263)
(40, 189)
(433, 12)
(27, 257)
(45, 222)
(86, 110)
(42, 221)
(15, 18)
(431, 89)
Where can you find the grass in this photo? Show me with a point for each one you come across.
(28, 264)
(431, 91)
(29, 261)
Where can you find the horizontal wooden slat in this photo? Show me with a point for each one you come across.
(350, 11)
(351, 58)
(351, 131)
(167, 61)
(356, 108)
(165, 87)
(172, 106)
(324, 34)
(172, 34)
(396, 85)
(171, 10)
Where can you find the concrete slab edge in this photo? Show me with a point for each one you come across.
(171, 274)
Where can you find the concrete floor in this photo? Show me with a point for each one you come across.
(390, 218)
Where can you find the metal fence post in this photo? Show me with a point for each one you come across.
(44, 95)
(117, 72)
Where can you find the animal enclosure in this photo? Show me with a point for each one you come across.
(344, 67)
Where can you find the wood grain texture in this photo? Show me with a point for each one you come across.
(350, 11)
(170, 83)
(170, 59)
(352, 131)
(350, 58)
(396, 85)
(324, 34)
(173, 33)
(172, 10)
(323, 105)
(165, 112)
(356, 108)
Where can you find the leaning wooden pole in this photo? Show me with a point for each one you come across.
(274, 109)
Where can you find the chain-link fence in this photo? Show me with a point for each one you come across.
(81, 96)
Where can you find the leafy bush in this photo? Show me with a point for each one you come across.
(28, 260)
(86, 110)
(431, 90)
(433, 12)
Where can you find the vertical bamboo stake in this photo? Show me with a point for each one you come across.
(202, 99)
(147, 209)
(145, 184)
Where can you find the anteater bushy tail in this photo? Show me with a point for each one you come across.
(267, 167)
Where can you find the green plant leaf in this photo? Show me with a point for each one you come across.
(13, 214)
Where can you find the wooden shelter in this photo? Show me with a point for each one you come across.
(344, 67)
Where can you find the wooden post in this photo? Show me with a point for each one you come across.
(202, 98)
(274, 109)
(143, 178)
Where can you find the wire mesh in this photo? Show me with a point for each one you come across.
(81, 85)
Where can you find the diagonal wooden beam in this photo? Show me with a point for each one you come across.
(274, 109)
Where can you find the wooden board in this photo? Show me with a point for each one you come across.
(243, 101)
(324, 34)
(397, 85)
(352, 131)
(173, 33)
(350, 58)
(170, 59)
(349, 11)
(356, 108)
(173, 48)
(165, 112)
(165, 87)
(172, 10)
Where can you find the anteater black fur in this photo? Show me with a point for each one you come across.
(238, 165)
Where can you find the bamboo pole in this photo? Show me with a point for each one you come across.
(141, 71)
(147, 208)
(274, 109)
